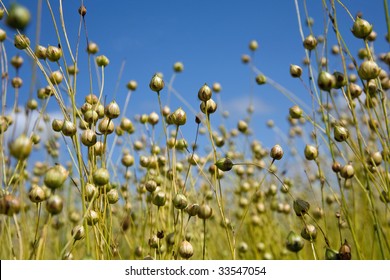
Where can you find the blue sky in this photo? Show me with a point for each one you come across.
(209, 37)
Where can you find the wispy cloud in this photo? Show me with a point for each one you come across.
(26, 123)
(239, 106)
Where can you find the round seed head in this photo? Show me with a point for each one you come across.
(261, 79)
(55, 177)
(92, 48)
(186, 250)
(310, 42)
(347, 171)
(345, 251)
(301, 207)
(204, 93)
(21, 41)
(224, 164)
(331, 254)
(113, 196)
(88, 137)
(78, 232)
(341, 80)
(159, 198)
(295, 71)
(9, 205)
(106, 126)
(69, 128)
(57, 125)
(21, 147)
(16, 82)
(253, 45)
(54, 204)
(326, 81)
(311, 152)
(276, 152)
(217, 87)
(90, 191)
(309, 232)
(127, 160)
(156, 83)
(341, 133)
(361, 28)
(193, 209)
(17, 61)
(294, 242)
(178, 67)
(369, 70)
(180, 201)
(82, 10)
(295, 112)
(92, 217)
(3, 35)
(18, 17)
(208, 107)
(36, 194)
(101, 176)
(40, 52)
(53, 53)
(132, 85)
(56, 77)
(205, 212)
(112, 110)
(102, 61)
(179, 117)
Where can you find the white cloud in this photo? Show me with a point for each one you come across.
(23, 122)
(238, 106)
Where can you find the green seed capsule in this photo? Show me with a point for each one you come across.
(294, 242)
(101, 177)
(301, 207)
(180, 201)
(102, 61)
(53, 53)
(361, 28)
(18, 17)
(21, 41)
(78, 232)
(205, 212)
(186, 250)
(224, 164)
(156, 83)
(54, 204)
(341, 133)
(21, 147)
(55, 177)
(204, 93)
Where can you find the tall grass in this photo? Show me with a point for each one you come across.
(166, 196)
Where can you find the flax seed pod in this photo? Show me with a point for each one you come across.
(88, 137)
(78, 232)
(21, 147)
(54, 204)
(21, 41)
(204, 93)
(156, 83)
(36, 194)
(186, 250)
(101, 176)
(106, 126)
(294, 242)
(102, 61)
(205, 212)
(53, 53)
(361, 28)
(55, 177)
